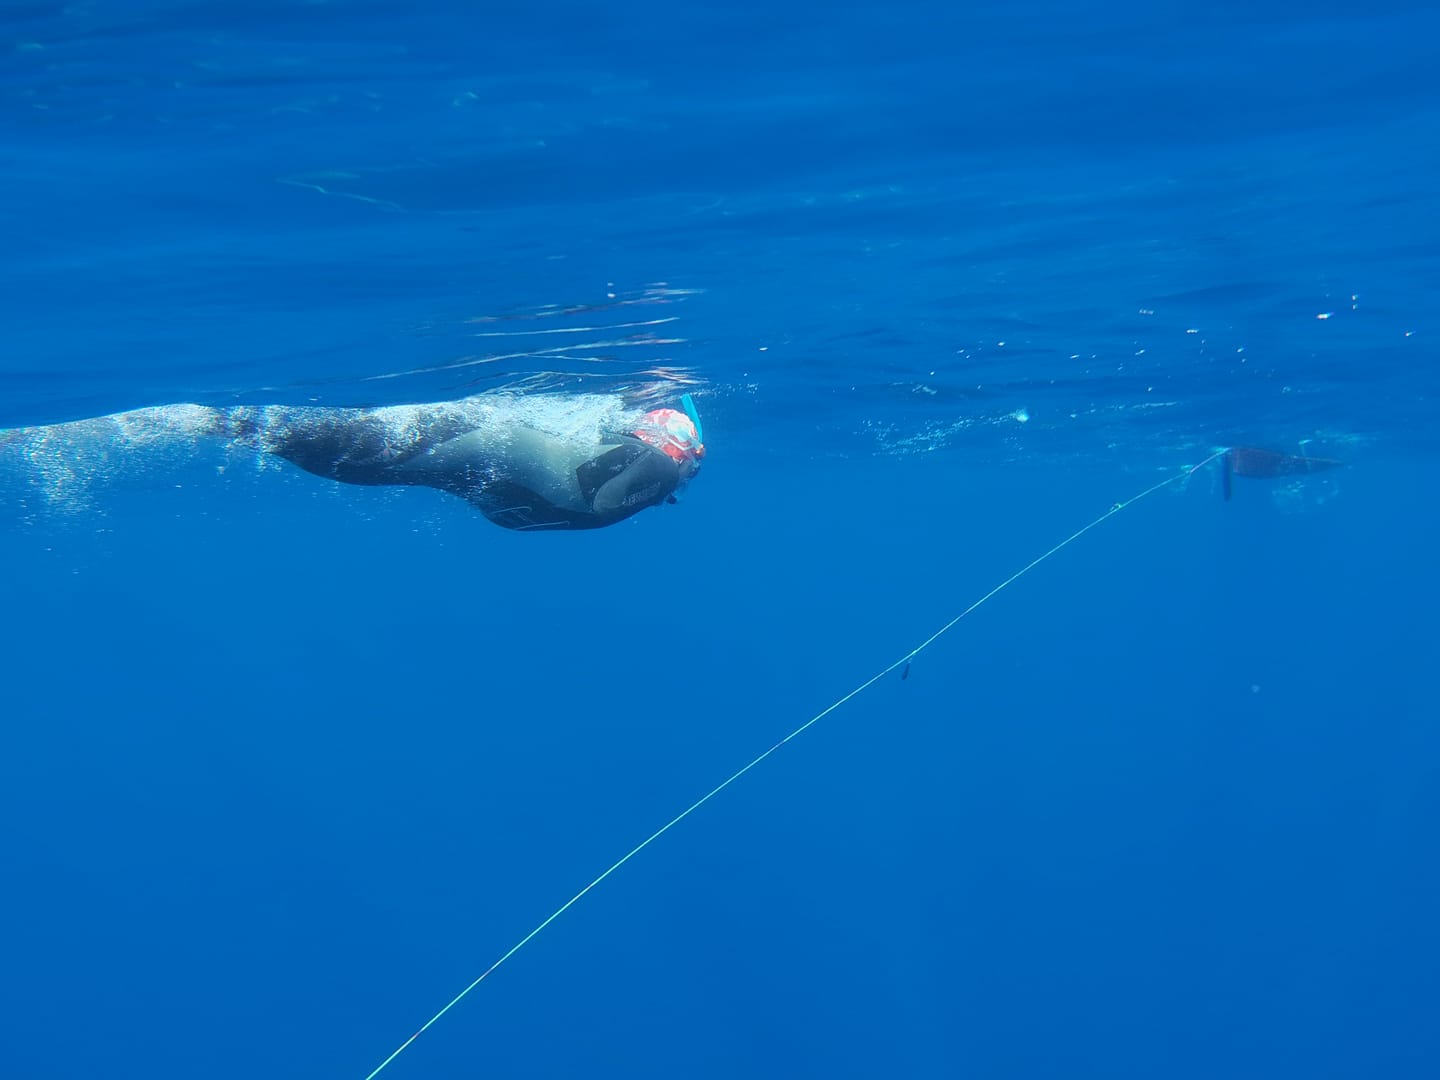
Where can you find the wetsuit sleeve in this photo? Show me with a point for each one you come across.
(627, 479)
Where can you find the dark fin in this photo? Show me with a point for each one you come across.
(906, 673)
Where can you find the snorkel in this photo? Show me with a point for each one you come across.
(688, 403)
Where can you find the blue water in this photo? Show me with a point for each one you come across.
(286, 764)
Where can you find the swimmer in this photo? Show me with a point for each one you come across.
(529, 462)
(517, 475)
(1260, 464)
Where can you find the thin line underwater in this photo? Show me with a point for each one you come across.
(904, 661)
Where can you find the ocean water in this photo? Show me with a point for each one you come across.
(286, 764)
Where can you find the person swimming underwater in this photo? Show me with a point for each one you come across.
(1261, 464)
(517, 475)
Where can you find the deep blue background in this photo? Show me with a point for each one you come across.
(285, 765)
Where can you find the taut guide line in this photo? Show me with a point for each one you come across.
(904, 662)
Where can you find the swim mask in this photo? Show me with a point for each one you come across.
(671, 431)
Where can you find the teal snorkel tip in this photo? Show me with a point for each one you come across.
(688, 403)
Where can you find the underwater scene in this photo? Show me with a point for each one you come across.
(706, 540)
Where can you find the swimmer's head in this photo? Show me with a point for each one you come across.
(674, 433)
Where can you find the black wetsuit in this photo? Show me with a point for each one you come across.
(516, 476)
